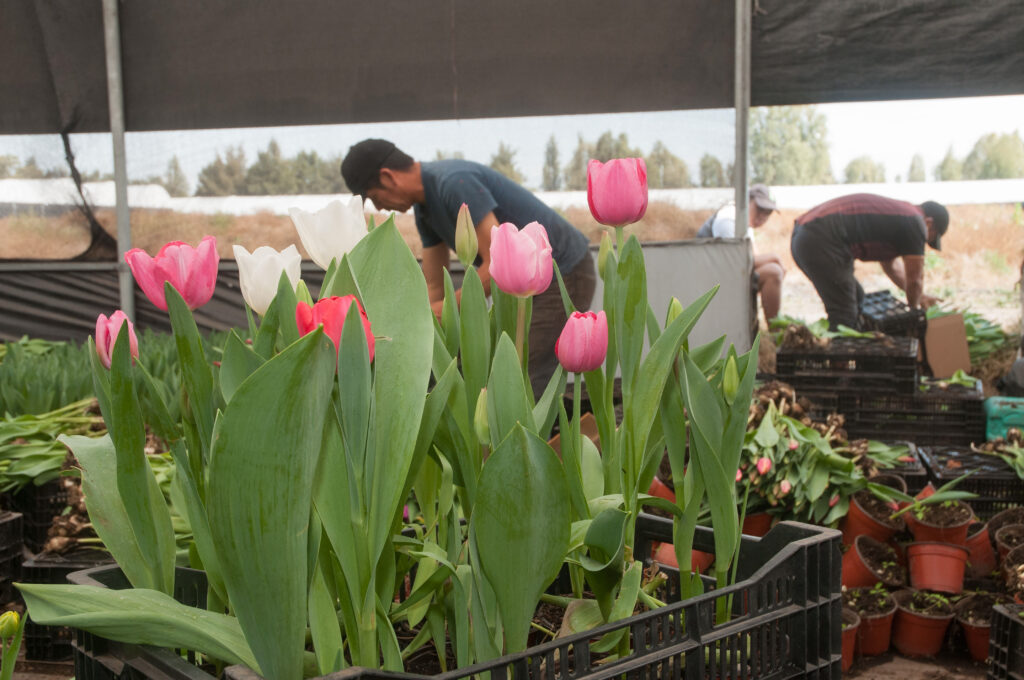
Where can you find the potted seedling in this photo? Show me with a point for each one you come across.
(974, 615)
(940, 516)
(868, 561)
(851, 623)
(1009, 537)
(876, 609)
(870, 513)
(921, 622)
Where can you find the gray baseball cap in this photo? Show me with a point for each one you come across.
(759, 194)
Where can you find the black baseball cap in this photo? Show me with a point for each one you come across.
(940, 220)
(362, 164)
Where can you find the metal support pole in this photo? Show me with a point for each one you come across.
(115, 101)
(742, 103)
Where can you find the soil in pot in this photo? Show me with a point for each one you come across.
(1009, 537)
(851, 623)
(876, 609)
(921, 622)
(868, 562)
(1001, 519)
(982, 559)
(945, 522)
(974, 615)
(870, 516)
(1013, 572)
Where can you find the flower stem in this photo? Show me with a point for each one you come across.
(521, 329)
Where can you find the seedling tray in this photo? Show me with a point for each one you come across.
(39, 505)
(786, 624)
(995, 482)
(1006, 643)
(951, 417)
(852, 366)
(912, 473)
(880, 311)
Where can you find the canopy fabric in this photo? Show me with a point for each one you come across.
(193, 64)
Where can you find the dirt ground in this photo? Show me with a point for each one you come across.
(894, 667)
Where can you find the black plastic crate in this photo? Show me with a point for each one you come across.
(786, 623)
(950, 417)
(912, 473)
(39, 505)
(1006, 643)
(880, 311)
(997, 485)
(53, 643)
(852, 366)
(10, 554)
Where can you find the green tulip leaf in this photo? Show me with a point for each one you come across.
(238, 362)
(507, 401)
(522, 532)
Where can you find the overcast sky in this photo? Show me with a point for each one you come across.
(889, 132)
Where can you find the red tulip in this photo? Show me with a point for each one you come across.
(584, 342)
(106, 335)
(764, 465)
(617, 190)
(521, 259)
(192, 271)
(330, 312)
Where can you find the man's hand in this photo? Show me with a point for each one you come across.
(929, 301)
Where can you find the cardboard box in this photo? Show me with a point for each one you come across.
(945, 346)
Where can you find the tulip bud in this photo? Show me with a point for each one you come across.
(466, 246)
(302, 293)
(739, 475)
(521, 259)
(793, 445)
(107, 331)
(784, 487)
(764, 465)
(617, 190)
(603, 252)
(330, 313)
(583, 343)
(480, 424)
(191, 271)
(675, 308)
(260, 271)
(731, 381)
(9, 622)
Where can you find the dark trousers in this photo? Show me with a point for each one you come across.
(548, 319)
(825, 259)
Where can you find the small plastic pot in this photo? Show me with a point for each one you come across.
(981, 560)
(926, 532)
(856, 571)
(1003, 538)
(661, 490)
(875, 632)
(937, 566)
(916, 634)
(757, 524)
(976, 635)
(665, 553)
(859, 523)
(1013, 560)
(1001, 519)
(851, 623)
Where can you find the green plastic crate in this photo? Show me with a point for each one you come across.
(1002, 413)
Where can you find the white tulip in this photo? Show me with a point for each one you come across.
(260, 271)
(332, 231)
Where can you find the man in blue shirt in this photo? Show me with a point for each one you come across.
(393, 180)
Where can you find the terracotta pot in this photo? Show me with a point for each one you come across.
(859, 523)
(1013, 559)
(981, 559)
(915, 634)
(1002, 538)
(662, 490)
(856, 571)
(937, 566)
(976, 635)
(665, 553)
(757, 524)
(1001, 519)
(851, 623)
(927, 532)
(875, 633)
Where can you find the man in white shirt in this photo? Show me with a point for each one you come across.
(768, 269)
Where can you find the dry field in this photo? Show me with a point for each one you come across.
(978, 268)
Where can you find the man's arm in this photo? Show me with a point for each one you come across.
(895, 271)
(913, 268)
(438, 257)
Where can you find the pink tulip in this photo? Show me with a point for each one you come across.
(106, 335)
(584, 342)
(739, 475)
(793, 445)
(784, 487)
(521, 259)
(764, 465)
(192, 271)
(617, 190)
(330, 312)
